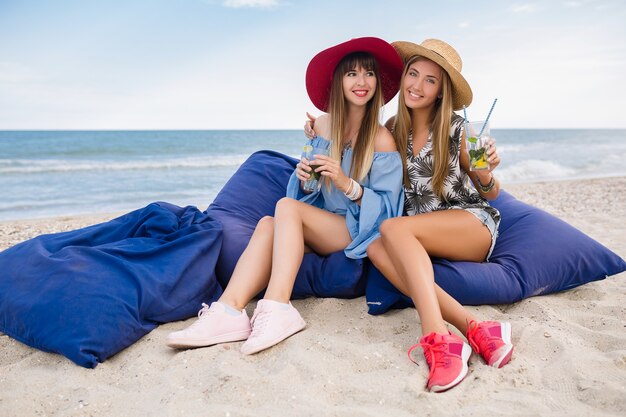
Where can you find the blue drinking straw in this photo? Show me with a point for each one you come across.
(487, 119)
(466, 122)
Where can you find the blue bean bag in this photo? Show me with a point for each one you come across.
(91, 292)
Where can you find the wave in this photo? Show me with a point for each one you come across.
(36, 166)
(534, 170)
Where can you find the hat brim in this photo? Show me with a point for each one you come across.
(319, 73)
(462, 94)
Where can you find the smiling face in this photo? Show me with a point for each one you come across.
(422, 84)
(359, 85)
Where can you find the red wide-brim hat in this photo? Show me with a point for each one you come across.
(319, 73)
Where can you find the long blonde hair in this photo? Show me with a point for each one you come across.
(440, 127)
(363, 152)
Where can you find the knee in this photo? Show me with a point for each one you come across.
(266, 224)
(285, 206)
(390, 227)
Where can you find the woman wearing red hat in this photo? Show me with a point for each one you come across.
(362, 186)
(446, 217)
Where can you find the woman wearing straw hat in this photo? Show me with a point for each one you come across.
(446, 217)
(363, 186)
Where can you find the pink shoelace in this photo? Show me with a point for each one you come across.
(433, 352)
(204, 310)
(478, 340)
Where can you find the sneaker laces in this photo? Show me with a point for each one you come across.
(259, 321)
(204, 310)
(433, 352)
(479, 340)
(202, 315)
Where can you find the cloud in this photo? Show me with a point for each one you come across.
(237, 4)
(524, 8)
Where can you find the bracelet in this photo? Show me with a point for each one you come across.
(354, 191)
(488, 187)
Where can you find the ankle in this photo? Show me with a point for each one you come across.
(231, 304)
(435, 329)
(279, 303)
(277, 298)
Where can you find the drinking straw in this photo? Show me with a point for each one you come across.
(466, 122)
(487, 119)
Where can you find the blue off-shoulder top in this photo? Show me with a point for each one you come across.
(383, 197)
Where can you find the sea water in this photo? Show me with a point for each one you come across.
(53, 173)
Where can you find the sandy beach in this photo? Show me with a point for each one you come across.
(569, 359)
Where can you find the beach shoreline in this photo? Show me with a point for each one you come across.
(570, 356)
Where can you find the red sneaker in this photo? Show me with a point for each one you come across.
(447, 356)
(492, 340)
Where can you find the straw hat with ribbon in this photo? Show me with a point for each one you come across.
(445, 56)
(319, 73)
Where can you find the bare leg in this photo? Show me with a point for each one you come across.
(451, 310)
(252, 271)
(297, 224)
(452, 234)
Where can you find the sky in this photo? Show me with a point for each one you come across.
(240, 64)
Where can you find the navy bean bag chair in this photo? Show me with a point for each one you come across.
(89, 293)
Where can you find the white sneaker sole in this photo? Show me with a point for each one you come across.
(506, 350)
(249, 349)
(183, 343)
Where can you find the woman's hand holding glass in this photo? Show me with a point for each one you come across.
(303, 169)
(331, 169)
(492, 154)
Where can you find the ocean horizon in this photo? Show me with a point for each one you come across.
(48, 173)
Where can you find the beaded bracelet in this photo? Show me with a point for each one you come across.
(354, 191)
(488, 187)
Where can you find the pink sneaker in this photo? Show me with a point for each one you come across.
(447, 356)
(214, 325)
(272, 322)
(492, 340)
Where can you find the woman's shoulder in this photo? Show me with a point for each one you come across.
(384, 141)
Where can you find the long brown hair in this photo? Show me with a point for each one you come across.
(363, 152)
(440, 127)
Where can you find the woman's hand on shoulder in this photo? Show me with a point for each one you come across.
(384, 141)
(309, 132)
(315, 126)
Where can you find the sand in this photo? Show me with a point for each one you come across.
(570, 350)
